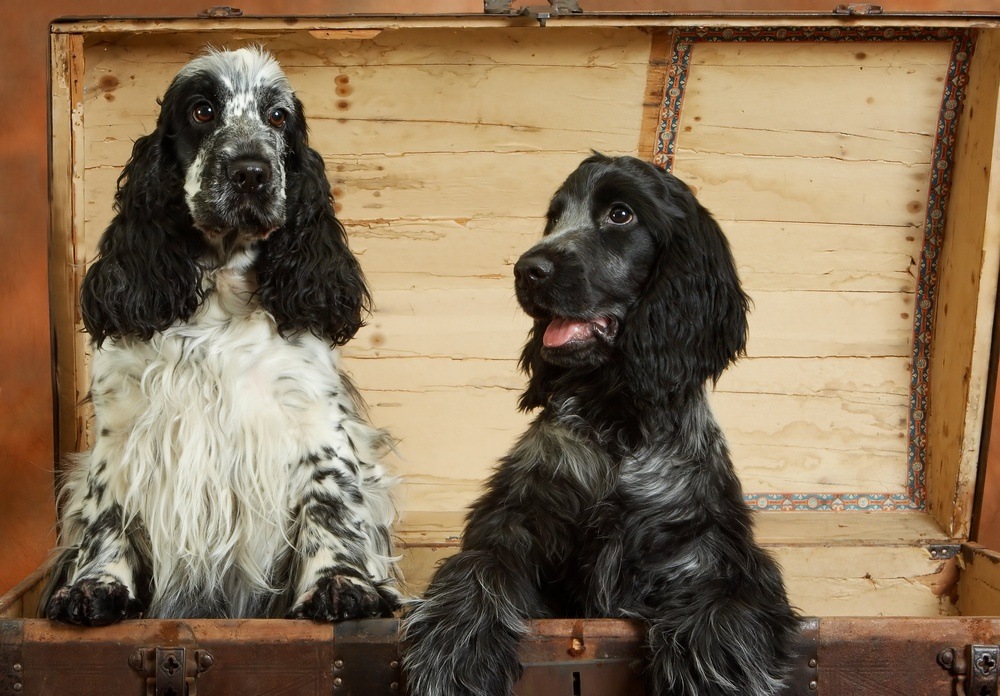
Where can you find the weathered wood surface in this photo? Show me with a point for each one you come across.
(443, 152)
(968, 292)
(442, 184)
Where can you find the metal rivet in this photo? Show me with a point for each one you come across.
(813, 685)
(812, 662)
(206, 660)
(338, 681)
(17, 667)
(135, 660)
(339, 664)
(394, 686)
(18, 687)
(394, 664)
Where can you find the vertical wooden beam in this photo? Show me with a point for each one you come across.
(968, 263)
(66, 263)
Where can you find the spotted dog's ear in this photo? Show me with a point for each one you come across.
(309, 279)
(145, 277)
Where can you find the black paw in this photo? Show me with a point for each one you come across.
(340, 597)
(91, 602)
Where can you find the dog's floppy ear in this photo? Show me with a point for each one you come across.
(145, 277)
(309, 279)
(690, 321)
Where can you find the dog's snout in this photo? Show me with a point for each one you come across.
(531, 271)
(249, 175)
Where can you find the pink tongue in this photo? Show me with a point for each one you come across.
(561, 331)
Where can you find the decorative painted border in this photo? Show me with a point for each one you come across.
(963, 43)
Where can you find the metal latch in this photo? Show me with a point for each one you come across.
(167, 670)
(975, 668)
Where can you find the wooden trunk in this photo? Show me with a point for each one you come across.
(849, 160)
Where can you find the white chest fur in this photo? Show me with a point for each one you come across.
(204, 435)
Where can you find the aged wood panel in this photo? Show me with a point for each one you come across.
(66, 255)
(835, 564)
(979, 582)
(821, 580)
(439, 252)
(967, 290)
(437, 234)
(825, 257)
(441, 198)
(796, 149)
(968, 285)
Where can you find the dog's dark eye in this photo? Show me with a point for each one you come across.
(203, 112)
(619, 215)
(277, 117)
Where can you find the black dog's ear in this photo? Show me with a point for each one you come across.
(691, 320)
(541, 374)
(144, 277)
(309, 279)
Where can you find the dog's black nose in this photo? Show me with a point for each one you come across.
(249, 175)
(531, 271)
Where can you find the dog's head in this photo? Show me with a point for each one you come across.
(232, 118)
(226, 179)
(634, 275)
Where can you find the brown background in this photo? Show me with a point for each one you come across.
(26, 434)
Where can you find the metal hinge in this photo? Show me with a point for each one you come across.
(539, 13)
(221, 12)
(858, 9)
(975, 668)
(168, 671)
(942, 552)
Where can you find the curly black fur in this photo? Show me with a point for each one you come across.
(621, 499)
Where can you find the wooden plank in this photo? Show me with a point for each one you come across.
(827, 257)
(979, 582)
(433, 318)
(323, 24)
(835, 564)
(784, 189)
(821, 581)
(867, 564)
(65, 255)
(776, 99)
(967, 290)
(859, 530)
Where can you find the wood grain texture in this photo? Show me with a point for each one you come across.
(440, 193)
(410, 168)
(799, 151)
(979, 582)
(27, 430)
(967, 290)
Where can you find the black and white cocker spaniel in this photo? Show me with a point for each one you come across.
(233, 472)
(621, 499)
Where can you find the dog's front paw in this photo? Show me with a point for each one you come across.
(93, 602)
(339, 597)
